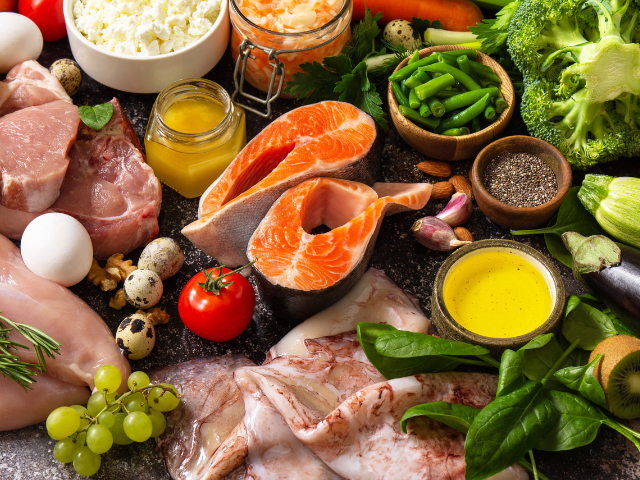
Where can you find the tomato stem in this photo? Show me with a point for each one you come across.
(215, 285)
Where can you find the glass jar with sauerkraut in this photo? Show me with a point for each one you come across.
(271, 39)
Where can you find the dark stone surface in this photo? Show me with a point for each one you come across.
(28, 453)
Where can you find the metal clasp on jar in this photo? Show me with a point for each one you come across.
(239, 72)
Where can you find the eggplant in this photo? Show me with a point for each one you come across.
(609, 270)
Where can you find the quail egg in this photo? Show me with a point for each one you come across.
(136, 336)
(68, 74)
(143, 288)
(164, 256)
(399, 31)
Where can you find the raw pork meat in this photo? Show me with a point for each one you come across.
(34, 144)
(87, 343)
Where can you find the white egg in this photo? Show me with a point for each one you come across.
(57, 247)
(20, 40)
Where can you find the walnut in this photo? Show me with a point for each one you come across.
(119, 268)
(157, 315)
(118, 301)
(99, 276)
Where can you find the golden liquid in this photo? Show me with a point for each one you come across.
(190, 169)
(497, 294)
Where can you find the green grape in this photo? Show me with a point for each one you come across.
(86, 462)
(163, 401)
(136, 397)
(117, 430)
(138, 380)
(80, 439)
(82, 411)
(96, 403)
(64, 450)
(99, 439)
(62, 422)
(138, 426)
(107, 378)
(137, 406)
(106, 419)
(158, 421)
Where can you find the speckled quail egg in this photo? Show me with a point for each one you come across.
(399, 31)
(143, 288)
(68, 74)
(164, 256)
(136, 336)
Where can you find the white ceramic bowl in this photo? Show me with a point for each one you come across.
(148, 74)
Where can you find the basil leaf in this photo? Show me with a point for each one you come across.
(586, 323)
(506, 429)
(510, 373)
(96, 117)
(577, 424)
(455, 415)
(402, 344)
(581, 379)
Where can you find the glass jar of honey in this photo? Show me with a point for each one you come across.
(193, 134)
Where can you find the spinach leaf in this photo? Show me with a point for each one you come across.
(577, 424)
(398, 367)
(510, 373)
(556, 247)
(538, 342)
(455, 415)
(586, 323)
(539, 355)
(581, 379)
(506, 429)
(402, 344)
(96, 117)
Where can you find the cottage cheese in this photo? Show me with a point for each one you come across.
(144, 27)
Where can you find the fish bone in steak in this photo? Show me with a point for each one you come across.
(34, 144)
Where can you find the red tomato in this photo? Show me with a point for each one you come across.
(47, 15)
(8, 5)
(219, 317)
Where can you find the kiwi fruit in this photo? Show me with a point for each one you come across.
(619, 374)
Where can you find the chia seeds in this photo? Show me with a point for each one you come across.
(520, 180)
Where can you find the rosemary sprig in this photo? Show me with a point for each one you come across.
(11, 366)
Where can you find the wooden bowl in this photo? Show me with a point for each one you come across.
(520, 218)
(453, 148)
(449, 328)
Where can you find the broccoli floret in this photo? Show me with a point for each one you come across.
(582, 75)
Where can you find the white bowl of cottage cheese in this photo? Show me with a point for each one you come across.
(142, 46)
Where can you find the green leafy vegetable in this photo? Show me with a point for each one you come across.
(572, 217)
(581, 379)
(455, 415)
(537, 361)
(356, 89)
(318, 82)
(363, 37)
(96, 117)
(420, 25)
(510, 373)
(493, 32)
(586, 324)
(402, 344)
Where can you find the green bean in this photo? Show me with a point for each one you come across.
(465, 116)
(500, 104)
(488, 83)
(490, 113)
(400, 96)
(414, 58)
(469, 52)
(432, 87)
(405, 89)
(464, 64)
(447, 93)
(452, 132)
(468, 82)
(425, 111)
(475, 124)
(418, 78)
(448, 60)
(465, 130)
(414, 101)
(409, 114)
(467, 98)
(405, 72)
(485, 72)
(436, 107)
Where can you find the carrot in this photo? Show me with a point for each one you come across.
(454, 15)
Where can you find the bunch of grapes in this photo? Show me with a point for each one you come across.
(84, 433)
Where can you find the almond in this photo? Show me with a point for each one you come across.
(442, 190)
(463, 234)
(461, 185)
(435, 168)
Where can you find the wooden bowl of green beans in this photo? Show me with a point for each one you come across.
(449, 102)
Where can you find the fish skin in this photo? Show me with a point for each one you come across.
(229, 213)
(279, 273)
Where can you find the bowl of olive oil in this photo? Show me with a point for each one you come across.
(498, 294)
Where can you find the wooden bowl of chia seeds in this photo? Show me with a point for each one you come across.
(519, 182)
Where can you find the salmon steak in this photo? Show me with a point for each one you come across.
(326, 139)
(299, 273)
